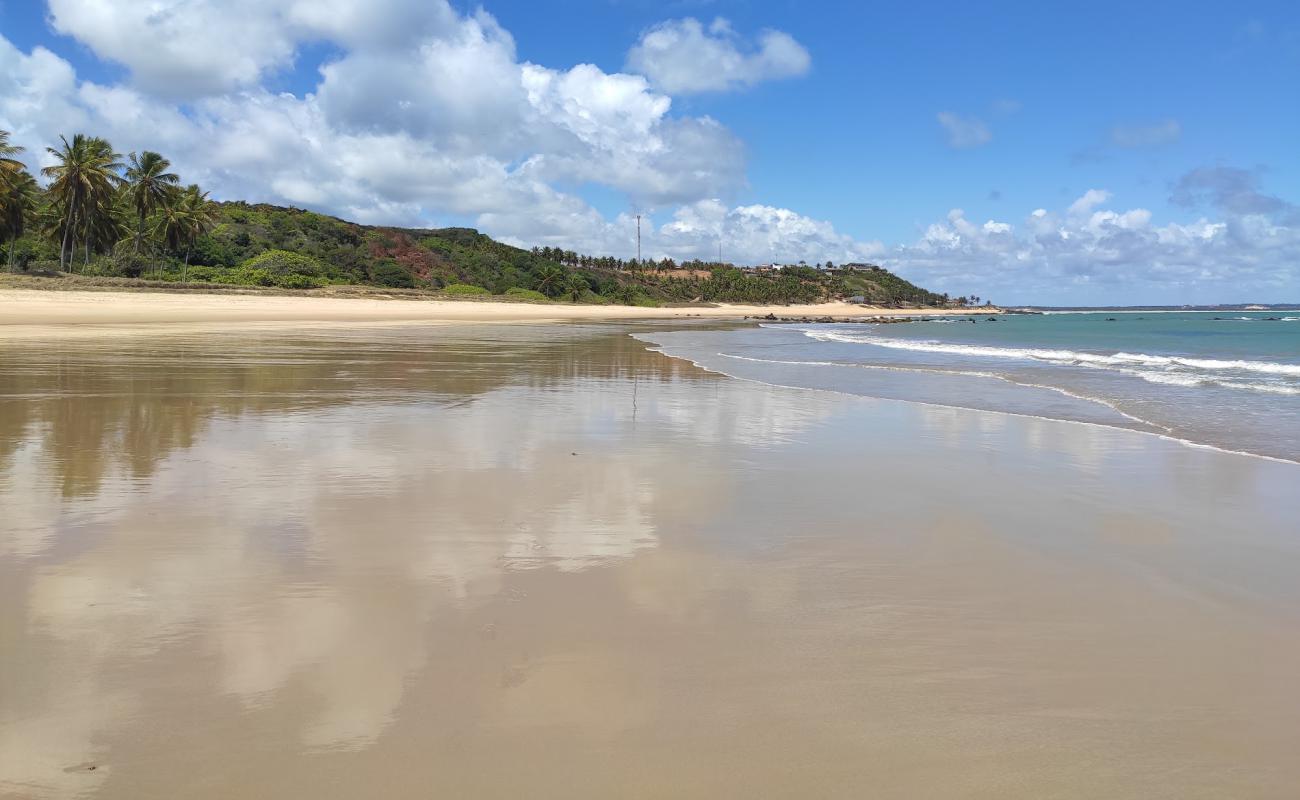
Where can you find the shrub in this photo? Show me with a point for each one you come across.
(211, 251)
(465, 289)
(391, 274)
(203, 274)
(297, 282)
(28, 250)
(252, 277)
(282, 262)
(526, 294)
(128, 264)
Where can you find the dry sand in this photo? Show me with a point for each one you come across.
(37, 307)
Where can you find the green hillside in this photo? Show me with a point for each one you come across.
(102, 214)
(880, 286)
(265, 245)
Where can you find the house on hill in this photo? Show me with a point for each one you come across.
(848, 269)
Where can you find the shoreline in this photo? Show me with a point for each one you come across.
(25, 308)
(1163, 435)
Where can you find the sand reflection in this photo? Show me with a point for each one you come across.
(293, 522)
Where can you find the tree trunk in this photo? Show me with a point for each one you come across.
(67, 230)
(85, 247)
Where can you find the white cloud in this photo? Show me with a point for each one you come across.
(1146, 135)
(964, 132)
(1093, 254)
(181, 48)
(757, 233)
(682, 56)
(750, 234)
(192, 48)
(398, 131)
(1088, 201)
(461, 90)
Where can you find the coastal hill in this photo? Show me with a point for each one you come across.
(290, 248)
(103, 215)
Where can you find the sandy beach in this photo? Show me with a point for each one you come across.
(546, 561)
(23, 307)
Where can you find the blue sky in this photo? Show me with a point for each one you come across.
(1030, 152)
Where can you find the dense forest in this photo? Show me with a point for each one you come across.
(103, 214)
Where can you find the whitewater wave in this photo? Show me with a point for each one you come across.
(1257, 319)
(1184, 379)
(1066, 357)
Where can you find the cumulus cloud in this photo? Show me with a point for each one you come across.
(1088, 201)
(751, 234)
(192, 48)
(758, 233)
(1146, 135)
(1093, 254)
(682, 56)
(964, 132)
(399, 130)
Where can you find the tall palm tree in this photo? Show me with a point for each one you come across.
(187, 215)
(82, 185)
(149, 185)
(202, 214)
(18, 192)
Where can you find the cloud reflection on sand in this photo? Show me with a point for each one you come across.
(305, 553)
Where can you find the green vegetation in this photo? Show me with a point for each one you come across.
(881, 286)
(520, 293)
(104, 216)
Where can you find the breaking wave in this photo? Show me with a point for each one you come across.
(1260, 376)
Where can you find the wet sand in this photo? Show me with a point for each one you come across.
(540, 561)
(27, 307)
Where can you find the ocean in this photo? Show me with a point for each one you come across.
(1224, 379)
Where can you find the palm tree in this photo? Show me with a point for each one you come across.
(202, 214)
(550, 280)
(84, 180)
(7, 151)
(18, 191)
(149, 185)
(575, 285)
(172, 226)
(187, 215)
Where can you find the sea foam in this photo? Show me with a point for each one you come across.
(1260, 376)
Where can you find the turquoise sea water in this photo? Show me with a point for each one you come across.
(1229, 380)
